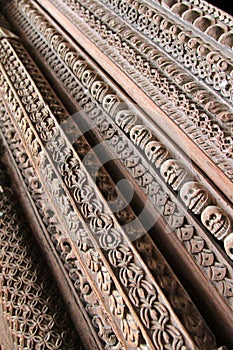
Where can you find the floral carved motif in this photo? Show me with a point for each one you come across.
(128, 120)
(108, 184)
(68, 177)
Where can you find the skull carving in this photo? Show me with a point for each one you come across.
(228, 245)
(98, 89)
(88, 77)
(79, 67)
(140, 135)
(126, 120)
(173, 173)
(56, 40)
(63, 48)
(70, 57)
(156, 152)
(194, 196)
(111, 103)
(216, 221)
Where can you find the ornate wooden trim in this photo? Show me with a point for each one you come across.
(31, 307)
(52, 139)
(69, 164)
(154, 84)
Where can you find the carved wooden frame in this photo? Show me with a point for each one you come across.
(130, 283)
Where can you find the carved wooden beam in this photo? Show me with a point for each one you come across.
(63, 175)
(32, 313)
(155, 81)
(70, 164)
(197, 209)
(155, 200)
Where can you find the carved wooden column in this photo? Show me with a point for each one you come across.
(32, 313)
(116, 117)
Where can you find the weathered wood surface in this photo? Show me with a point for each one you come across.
(141, 93)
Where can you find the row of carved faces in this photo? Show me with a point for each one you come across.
(193, 194)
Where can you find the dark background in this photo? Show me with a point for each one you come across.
(223, 5)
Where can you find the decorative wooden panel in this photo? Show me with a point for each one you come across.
(33, 315)
(116, 117)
